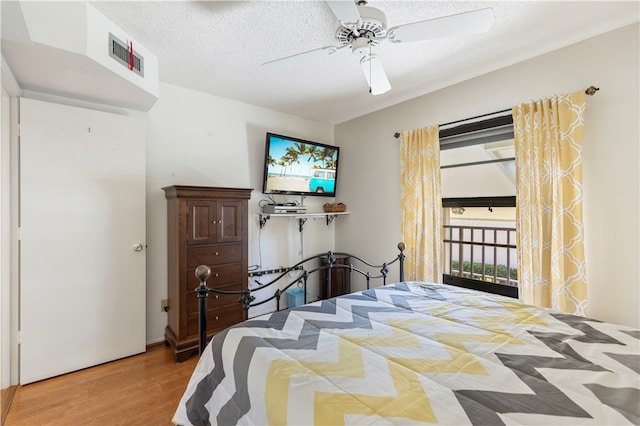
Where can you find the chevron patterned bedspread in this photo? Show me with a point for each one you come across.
(417, 353)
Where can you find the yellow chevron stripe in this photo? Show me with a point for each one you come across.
(349, 364)
(402, 337)
(457, 339)
(410, 401)
(517, 314)
(523, 313)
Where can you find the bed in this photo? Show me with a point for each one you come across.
(416, 353)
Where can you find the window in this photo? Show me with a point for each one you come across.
(478, 189)
(480, 245)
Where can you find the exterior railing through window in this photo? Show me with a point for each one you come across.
(481, 257)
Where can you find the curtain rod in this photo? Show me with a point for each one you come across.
(591, 90)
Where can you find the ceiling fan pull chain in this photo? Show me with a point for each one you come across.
(370, 72)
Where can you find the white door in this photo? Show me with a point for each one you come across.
(82, 212)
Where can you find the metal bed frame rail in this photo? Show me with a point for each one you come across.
(246, 298)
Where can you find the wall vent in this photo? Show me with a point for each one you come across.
(119, 51)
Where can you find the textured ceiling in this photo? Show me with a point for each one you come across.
(218, 47)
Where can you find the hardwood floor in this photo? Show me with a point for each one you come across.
(140, 390)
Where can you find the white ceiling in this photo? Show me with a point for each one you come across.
(218, 47)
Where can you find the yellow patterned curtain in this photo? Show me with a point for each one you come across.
(421, 203)
(548, 145)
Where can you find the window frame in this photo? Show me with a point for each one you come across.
(469, 133)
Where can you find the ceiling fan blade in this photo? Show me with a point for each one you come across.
(345, 10)
(474, 22)
(299, 57)
(375, 75)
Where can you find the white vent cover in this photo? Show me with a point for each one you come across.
(126, 55)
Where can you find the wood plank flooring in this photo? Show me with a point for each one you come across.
(140, 390)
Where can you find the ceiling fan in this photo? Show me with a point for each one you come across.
(363, 27)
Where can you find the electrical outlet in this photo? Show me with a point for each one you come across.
(164, 305)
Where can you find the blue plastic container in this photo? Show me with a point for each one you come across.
(295, 297)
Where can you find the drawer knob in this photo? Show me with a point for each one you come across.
(216, 318)
(216, 296)
(220, 221)
(217, 275)
(216, 253)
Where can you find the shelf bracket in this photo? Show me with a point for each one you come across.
(263, 219)
(301, 222)
(330, 218)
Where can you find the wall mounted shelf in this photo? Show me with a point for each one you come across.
(302, 217)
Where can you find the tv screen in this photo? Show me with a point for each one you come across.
(299, 167)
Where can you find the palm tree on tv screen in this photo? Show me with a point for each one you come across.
(282, 165)
(301, 148)
(312, 152)
(327, 158)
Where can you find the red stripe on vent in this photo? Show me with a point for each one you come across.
(131, 55)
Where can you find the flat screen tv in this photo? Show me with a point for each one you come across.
(299, 167)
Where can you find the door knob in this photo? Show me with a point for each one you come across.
(137, 247)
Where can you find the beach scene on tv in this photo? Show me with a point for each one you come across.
(295, 166)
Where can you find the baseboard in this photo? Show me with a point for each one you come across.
(6, 395)
(153, 345)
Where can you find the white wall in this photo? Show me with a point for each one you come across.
(198, 139)
(370, 158)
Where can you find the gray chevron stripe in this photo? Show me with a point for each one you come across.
(623, 400)
(402, 301)
(558, 342)
(477, 411)
(481, 406)
(433, 291)
(632, 333)
(630, 361)
(591, 335)
(196, 411)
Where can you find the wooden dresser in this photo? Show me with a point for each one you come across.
(206, 226)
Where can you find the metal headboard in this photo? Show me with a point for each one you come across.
(246, 297)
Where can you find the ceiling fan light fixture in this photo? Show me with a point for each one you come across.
(375, 75)
(360, 47)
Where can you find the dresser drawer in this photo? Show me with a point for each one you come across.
(217, 319)
(220, 275)
(215, 300)
(213, 255)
